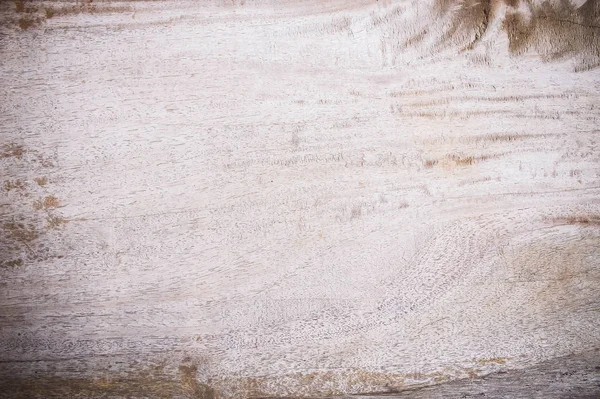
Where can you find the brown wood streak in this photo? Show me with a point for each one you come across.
(574, 376)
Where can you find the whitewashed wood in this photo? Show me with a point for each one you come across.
(252, 199)
(573, 376)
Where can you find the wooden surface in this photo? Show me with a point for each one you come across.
(573, 376)
(299, 198)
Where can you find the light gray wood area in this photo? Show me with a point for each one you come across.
(236, 199)
(573, 376)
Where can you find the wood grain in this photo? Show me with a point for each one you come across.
(299, 198)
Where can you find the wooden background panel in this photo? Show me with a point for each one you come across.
(250, 199)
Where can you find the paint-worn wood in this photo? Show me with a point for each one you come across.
(299, 198)
(573, 376)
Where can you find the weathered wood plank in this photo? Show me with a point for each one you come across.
(300, 198)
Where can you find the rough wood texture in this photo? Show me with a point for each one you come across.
(299, 198)
(573, 376)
